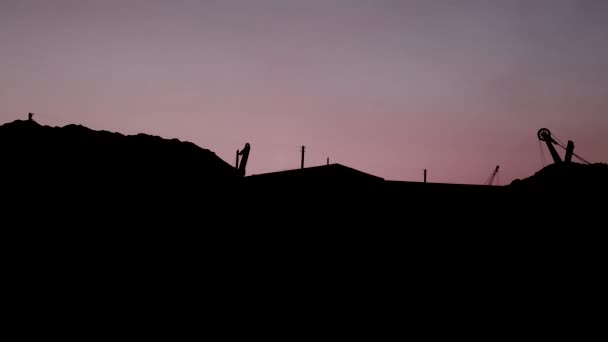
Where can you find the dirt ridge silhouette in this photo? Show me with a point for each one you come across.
(139, 212)
(77, 153)
(104, 173)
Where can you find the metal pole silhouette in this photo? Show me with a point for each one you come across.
(327, 160)
(569, 152)
(302, 163)
(30, 116)
(425, 175)
(237, 160)
(245, 153)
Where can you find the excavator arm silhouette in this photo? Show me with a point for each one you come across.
(243, 160)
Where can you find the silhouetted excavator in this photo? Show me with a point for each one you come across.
(545, 135)
(493, 176)
(243, 162)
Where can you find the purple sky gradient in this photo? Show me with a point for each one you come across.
(389, 87)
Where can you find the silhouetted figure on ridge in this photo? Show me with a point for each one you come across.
(30, 117)
(243, 164)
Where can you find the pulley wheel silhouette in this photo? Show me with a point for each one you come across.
(544, 134)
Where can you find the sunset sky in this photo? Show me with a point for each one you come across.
(388, 87)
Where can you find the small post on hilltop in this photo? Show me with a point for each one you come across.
(425, 175)
(237, 159)
(302, 163)
(327, 160)
(30, 116)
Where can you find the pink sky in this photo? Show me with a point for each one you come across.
(389, 87)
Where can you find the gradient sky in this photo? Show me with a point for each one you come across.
(389, 87)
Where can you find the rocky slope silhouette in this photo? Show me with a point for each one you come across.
(566, 177)
(74, 171)
(145, 210)
(75, 153)
(99, 172)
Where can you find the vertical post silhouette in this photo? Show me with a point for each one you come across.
(327, 160)
(425, 175)
(302, 163)
(30, 116)
(237, 160)
(245, 153)
(569, 152)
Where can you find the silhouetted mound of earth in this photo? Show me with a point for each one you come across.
(147, 208)
(566, 178)
(75, 157)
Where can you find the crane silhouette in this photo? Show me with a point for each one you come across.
(544, 134)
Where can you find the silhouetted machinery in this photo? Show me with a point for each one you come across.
(243, 162)
(545, 135)
(493, 176)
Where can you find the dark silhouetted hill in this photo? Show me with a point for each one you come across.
(75, 171)
(80, 170)
(128, 218)
(566, 178)
(566, 194)
(76, 154)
